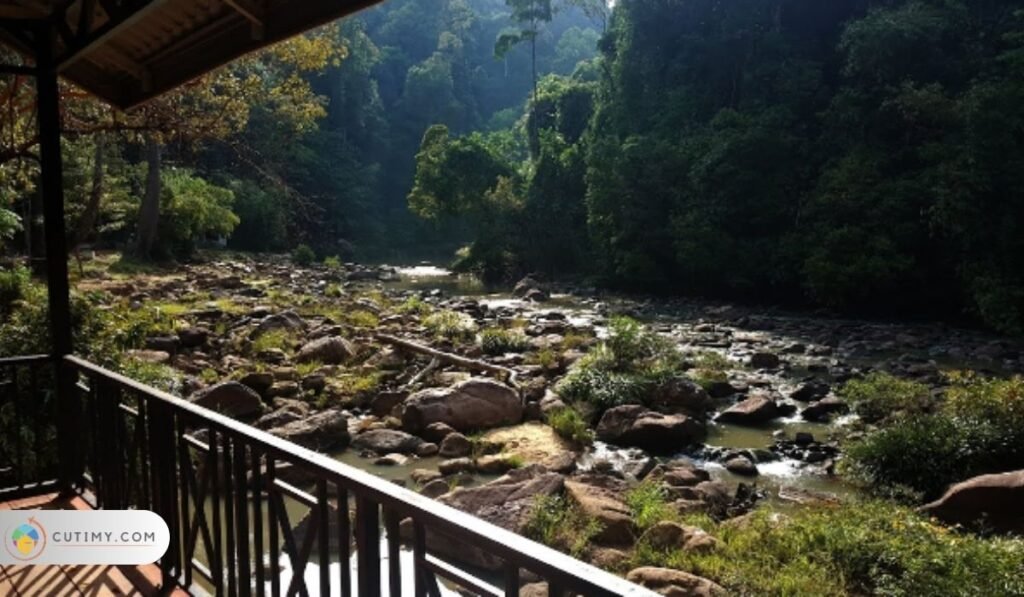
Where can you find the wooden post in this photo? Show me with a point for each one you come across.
(52, 191)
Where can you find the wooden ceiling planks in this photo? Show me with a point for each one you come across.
(128, 51)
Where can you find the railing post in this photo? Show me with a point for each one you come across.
(160, 424)
(52, 190)
(368, 546)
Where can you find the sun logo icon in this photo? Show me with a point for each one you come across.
(26, 541)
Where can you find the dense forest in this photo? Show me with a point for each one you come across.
(864, 156)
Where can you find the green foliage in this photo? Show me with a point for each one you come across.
(710, 367)
(498, 341)
(193, 210)
(9, 224)
(303, 255)
(649, 504)
(880, 395)
(868, 548)
(450, 325)
(414, 305)
(13, 285)
(333, 262)
(273, 340)
(979, 429)
(557, 523)
(623, 369)
(570, 424)
(155, 375)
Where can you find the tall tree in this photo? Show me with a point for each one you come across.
(531, 16)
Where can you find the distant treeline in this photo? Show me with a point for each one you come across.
(866, 156)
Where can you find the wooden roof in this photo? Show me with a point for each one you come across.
(128, 51)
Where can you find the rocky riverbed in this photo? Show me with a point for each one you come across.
(438, 383)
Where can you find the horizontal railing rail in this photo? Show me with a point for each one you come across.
(242, 503)
(28, 454)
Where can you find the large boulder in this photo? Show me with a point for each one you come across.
(323, 431)
(634, 425)
(756, 410)
(603, 503)
(996, 501)
(669, 536)
(535, 443)
(681, 395)
(476, 403)
(287, 320)
(823, 409)
(330, 350)
(386, 441)
(674, 583)
(506, 502)
(230, 398)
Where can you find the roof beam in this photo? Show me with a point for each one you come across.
(253, 12)
(123, 17)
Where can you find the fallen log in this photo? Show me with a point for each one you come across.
(505, 373)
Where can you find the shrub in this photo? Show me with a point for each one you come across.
(710, 367)
(333, 262)
(881, 395)
(570, 424)
(303, 255)
(498, 341)
(451, 325)
(649, 504)
(604, 389)
(979, 429)
(631, 345)
(13, 285)
(555, 522)
(414, 305)
(867, 548)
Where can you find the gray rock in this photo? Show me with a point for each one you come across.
(230, 398)
(286, 320)
(823, 409)
(756, 410)
(322, 431)
(383, 441)
(764, 360)
(675, 583)
(634, 425)
(330, 350)
(741, 465)
(455, 445)
(477, 403)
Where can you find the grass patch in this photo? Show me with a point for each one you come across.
(623, 369)
(570, 424)
(361, 319)
(710, 367)
(880, 395)
(414, 305)
(156, 375)
(334, 291)
(869, 548)
(556, 523)
(308, 368)
(498, 341)
(273, 340)
(453, 326)
(649, 504)
(332, 262)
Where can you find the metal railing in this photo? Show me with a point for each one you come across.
(28, 450)
(221, 486)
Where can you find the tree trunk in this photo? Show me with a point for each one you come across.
(87, 222)
(149, 213)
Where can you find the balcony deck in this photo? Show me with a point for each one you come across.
(58, 581)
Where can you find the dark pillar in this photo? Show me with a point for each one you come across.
(52, 190)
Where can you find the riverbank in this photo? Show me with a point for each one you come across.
(629, 432)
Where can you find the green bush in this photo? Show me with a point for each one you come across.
(333, 262)
(13, 285)
(623, 369)
(303, 255)
(498, 341)
(649, 504)
(880, 395)
(570, 424)
(710, 367)
(867, 548)
(451, 325)
(979, 429)
(557, 523)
